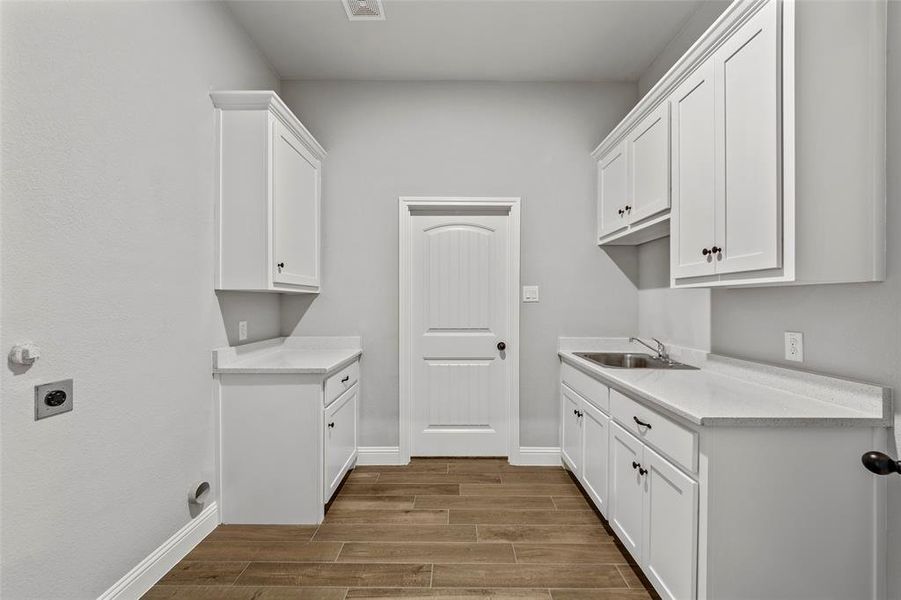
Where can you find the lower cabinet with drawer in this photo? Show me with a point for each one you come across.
(585, 429)
(286, 442)
(653, 509)
(727, 511)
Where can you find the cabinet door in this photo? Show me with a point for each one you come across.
(295, 210)
(340, 439)
(612, 191)
(670, 528)
(595, 451)
(571, 435)
(626, 490)
(748, 186)
(692, 223)
(649, 160)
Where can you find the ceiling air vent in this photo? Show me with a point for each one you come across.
(364, 10)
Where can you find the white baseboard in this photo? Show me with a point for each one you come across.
(378, 455)
(136, 582)
(544, 456)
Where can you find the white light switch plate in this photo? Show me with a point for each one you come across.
(530, 293)
(794, 346)
(242, 331)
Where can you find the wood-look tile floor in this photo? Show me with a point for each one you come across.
(438, 528)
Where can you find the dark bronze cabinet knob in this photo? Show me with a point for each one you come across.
(331, 425)
(501, 346)
(281, 265)
(879, 463)
(715, 250)
(705, 251)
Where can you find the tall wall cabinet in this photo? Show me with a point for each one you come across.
(775, 161)
(269, 189)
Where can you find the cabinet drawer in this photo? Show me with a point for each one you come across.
(670, 438)
(586, 386)
(341, 381)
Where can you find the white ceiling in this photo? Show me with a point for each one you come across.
(478, 40)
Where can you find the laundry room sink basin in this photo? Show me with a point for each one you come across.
(631, 360)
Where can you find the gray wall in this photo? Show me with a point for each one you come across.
(680, 317)
(530, 140)
(850, 330)
(708, 11)
(107, 248)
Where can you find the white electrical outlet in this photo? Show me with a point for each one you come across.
(794, 346)
(530, 293)
(242, 331)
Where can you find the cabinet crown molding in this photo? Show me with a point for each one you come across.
(737, 13)
(267, 100)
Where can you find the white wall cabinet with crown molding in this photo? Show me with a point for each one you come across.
(634, 183)
(269, 190)
(767, 186)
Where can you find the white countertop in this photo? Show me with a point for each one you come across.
(729, 392)
(290, 355)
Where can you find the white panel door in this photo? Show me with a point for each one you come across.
(461, 314)
(295, 210)
(571, 436)
(626, 492)
(649, 150)
(612, 191)
(748, 187)
(670, 528)
(595, 454)
(692, 224)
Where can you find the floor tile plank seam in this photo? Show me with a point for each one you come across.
(244, 570)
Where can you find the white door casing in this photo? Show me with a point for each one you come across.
(459, 281)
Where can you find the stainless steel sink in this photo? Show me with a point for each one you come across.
(631, 360)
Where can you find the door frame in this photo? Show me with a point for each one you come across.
(407, 205)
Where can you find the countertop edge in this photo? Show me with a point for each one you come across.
(699, 421)
(355, 354)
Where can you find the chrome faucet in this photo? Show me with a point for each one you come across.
(660, 349)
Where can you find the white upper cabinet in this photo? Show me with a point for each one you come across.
(613, 196)
(777, 152)
(649, 161)
(746, 118)
(269, 189)
(692, 221)
(634, 183)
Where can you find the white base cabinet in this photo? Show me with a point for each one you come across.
(269, 189)
(726, 512)
(286, 442)
(584, 433)
(654, 511)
